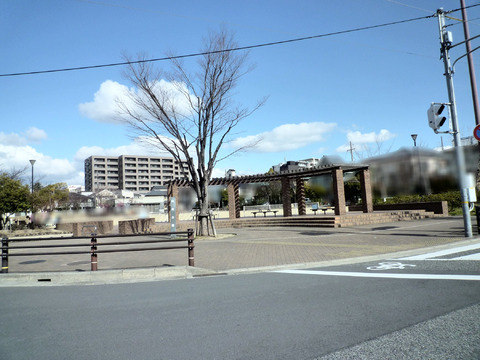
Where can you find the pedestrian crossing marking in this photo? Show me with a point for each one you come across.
(384, 275)
(437, 255)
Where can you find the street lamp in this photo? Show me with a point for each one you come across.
(414, 137)
(32, 162)
(31, 217)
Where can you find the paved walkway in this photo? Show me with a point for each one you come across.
(248, 249)
(258, 247)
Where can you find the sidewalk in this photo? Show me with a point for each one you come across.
(244, 250)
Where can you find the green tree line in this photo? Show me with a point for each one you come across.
(15, 197)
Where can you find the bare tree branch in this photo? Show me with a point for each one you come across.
(190, 116)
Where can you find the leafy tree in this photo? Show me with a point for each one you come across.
(315, 192)
(269, 192)
(47, 197)
(195, 118)
(353, 190)
(14, 197)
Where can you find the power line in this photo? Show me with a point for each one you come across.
(410, 6)
(459, 9)
(248, 47)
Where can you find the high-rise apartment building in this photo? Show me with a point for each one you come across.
(127, 172)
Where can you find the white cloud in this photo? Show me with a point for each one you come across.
(361, 142)
(343, 148)
(35, 135)
(105, 105)
(12, 139)
(356, 137)
(137, 147)
(46, 169)
(32, 135)
(285, 137)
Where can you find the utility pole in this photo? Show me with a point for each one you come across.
(446, 44)
(473, 81)
(471, 68)
(351, 150)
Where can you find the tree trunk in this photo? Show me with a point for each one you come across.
(203, 205)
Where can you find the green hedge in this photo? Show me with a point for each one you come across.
(452, 197)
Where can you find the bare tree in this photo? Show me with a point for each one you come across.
(194, 115)
(14, 173)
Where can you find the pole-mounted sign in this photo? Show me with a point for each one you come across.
(476, 132)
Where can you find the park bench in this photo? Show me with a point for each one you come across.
(259, 211)
(315, 208)
(326, 208)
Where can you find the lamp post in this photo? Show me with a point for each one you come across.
(31, 217)
(33, 163)
(414, 137)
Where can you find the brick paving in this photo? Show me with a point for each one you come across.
(269, 246)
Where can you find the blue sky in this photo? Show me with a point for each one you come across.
(371, 87)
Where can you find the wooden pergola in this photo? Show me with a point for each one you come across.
(285, 178)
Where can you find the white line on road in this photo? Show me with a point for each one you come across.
(384, 275)
(444, 253)
(469, 257)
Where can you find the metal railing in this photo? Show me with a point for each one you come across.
(94, 245)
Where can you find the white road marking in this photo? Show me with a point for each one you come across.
(469, 257)
(383, 275)
(432, 255)
(389, 265)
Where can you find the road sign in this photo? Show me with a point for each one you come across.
(476, 132)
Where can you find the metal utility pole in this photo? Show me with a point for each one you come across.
(446, 44)
(351, 150)
(471, 68)
(32, 162)
(473, 81)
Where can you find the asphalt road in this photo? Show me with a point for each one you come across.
(277, 315)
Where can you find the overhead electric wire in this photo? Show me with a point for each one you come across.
(248, 47)
(459, 9)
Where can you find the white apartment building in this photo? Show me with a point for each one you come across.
(128, 172)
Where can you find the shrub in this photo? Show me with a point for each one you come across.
(452, 197)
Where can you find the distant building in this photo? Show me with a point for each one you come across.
(418, 170)
(128, 172)
(413, 170)
(76, 188)
(153, 201)
(406, 171)
(230, 173)
(469, 140)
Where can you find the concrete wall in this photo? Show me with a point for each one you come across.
(135, 226)
(86, 228)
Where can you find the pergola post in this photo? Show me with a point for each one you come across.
(367, 202)
(339, 192)
(233, 201)
(302, 209)
(173, 192)
(287, 203)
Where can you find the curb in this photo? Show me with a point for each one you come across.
(102, 277)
